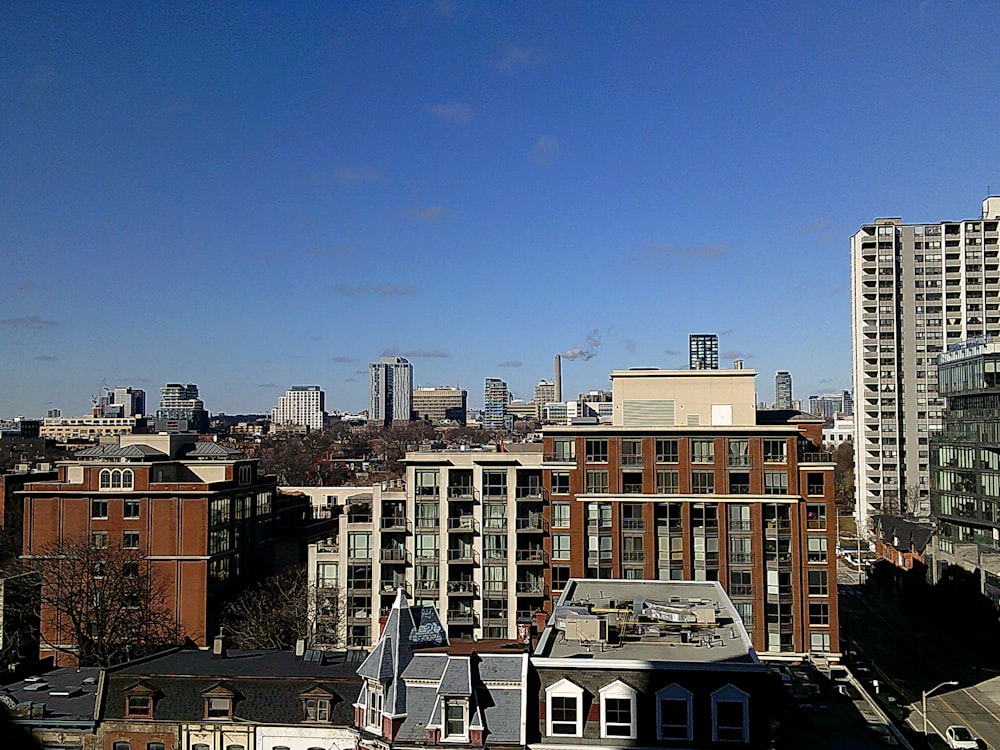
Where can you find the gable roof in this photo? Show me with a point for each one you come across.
(902, 534)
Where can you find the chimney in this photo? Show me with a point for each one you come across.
(219, 647)
(738, 364)
(558, 379)
(300, 648)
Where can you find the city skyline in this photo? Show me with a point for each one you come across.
(250, 200)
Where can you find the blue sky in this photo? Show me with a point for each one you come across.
(252, 196)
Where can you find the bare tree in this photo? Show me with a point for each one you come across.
(102, 603)
(273, 614)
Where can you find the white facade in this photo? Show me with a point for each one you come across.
(495, 400)
(915, 290)
(300, 405)
(390, 391)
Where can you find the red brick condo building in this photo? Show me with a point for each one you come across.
(200, 513)
(691, 481)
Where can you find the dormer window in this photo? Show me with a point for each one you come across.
(455, 720)
(316, 704)
(139, 700)
(618, 710)
(219, 701)
(564, 714)
(373, 716)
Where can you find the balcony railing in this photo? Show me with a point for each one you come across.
(495, 556)
(634, 556)
(530, 524)
(394, 523)
(816, 458)
(494, 589)
(427, 585)
(736, 524)
(531, 588)
(462, 587)
(393, 555)
(741, 558)
(460, 492)
(461, 617)
(529, 493)
(466, 556)
(633, 460)
(633, 524)
(530, 556)
(494, 524)
(740, 589)
(558, 458)
(424, 522)
(462, 523)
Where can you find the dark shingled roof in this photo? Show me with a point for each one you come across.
(268, 685)
(902, 534)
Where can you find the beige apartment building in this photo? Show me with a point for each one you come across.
(916, 289)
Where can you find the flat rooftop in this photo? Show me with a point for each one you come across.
(646, 621)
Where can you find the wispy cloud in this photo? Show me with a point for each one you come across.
(342, 360)
(378, 290)
(415, 353)
(29, 321)
(587, 352)
(46, 358)
(444, 8)
(821, 228)
(510, 363)
(457, 112)
(355, 175)
(514, 59)
(545, 150)
(430, 213)
(26, 286)
(337, 251)
(683, 254)
(735, 354)
(268, 386)
(350, 380)
(727, 332)
(671, 352)
(629, 345)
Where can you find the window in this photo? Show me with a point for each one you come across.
(703, 482)
(130, 569)
(702, 451)
(816, 546)
(105, 482)
(617, 710)
(560, 482)
(730, 722)
(130, 539)
(816, 516)
(426, 482)
(560, 577)
(124, 745)
(819, 613)
(560, 546)
(775, 482)
(454, 720)
(597, 450)
(154, 746)
(99, 539)
(597, 481)
(359, 545)
(131, 509)
(373, 716)
(815, 483)
(674, 713)
(668, 481)
(316, 709)
(218, 708)
(139, 706)
(819, 583)
(565, 709)
(819, 641)
(560, 515)
(563, 449)
(739, 452)
(666, 450)
(775, 451)
(98, 508)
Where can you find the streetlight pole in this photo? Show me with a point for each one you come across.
(923, 699)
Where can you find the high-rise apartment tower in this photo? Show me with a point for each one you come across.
(301, 405)
(390, 391)
(915, 290)
(782, 390)
(704, 351)
(495, 400)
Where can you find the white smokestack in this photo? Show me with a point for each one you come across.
(558, 378)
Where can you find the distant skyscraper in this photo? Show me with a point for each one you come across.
(181, 408)
(301, 405)
(783, 390)
(916, 289)
(545, 393)
(828, 406)
(132, 401)
(848, 408)
(704, 351)
(495, 400)
(441, 405)
(390, 391)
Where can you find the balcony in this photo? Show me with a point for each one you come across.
(529, 493)
(394, 523)
(391, 587)
(816, 458)
(559, 458)
(633, 524)
(424, 522)
(462, 524)
(461, 617)
(494, 525)
(532, 588)
(461, 492)
(427, 585)
(633, 461)
(534, 523)
(393, 556)
(427, 493)
(462, 556)
(328, 546)
(495, 556)
(739, 525)
(740, 589)
(462, 588)
(530, 556)
(666, 529)
(741, 558)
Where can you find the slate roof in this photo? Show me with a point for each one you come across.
(269, 685)
(904, 535)
(206, 449)
(110, 451)
(78, 706)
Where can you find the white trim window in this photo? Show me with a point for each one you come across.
(454, 720)
(617, 711)
(373, 709)
(675, 713)
(564, 709)
(730, 715)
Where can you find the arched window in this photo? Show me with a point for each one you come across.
(128, 479)
(105, 479)
(116, 479)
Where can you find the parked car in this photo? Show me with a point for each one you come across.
(959, 737)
